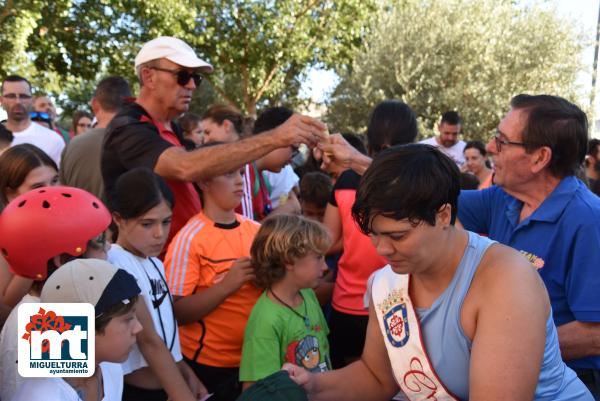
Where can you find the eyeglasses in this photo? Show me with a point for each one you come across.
(14, 96)
(183, 76)
(500, 142)
(84, 125)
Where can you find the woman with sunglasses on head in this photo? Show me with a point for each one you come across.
(22, 168)
(477, 163)
(155, 369)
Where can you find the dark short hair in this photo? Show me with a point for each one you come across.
(6, 137)
(220, 112)
(112, 312)
(16, 163)
(14, 78)
(480, 146)
(558, 124)
(137, 191)
(451, 118)
(112, 92)
(271, 118)
(315, 187)
(356, 142)
(392, 123)
(468, 181)
(407, 182)
(592, 148)
(189, 121)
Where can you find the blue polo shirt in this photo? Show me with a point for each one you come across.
(561, 239)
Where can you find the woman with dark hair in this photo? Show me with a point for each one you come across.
(392, 122)
(23, 168)
(453, 315)
(476, 163)
(82, 121)
(141, 210)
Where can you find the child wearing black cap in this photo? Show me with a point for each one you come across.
(113, 292)
(286, 324)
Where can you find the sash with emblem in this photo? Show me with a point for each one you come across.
(402, 336)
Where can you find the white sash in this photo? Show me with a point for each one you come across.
(402, 336)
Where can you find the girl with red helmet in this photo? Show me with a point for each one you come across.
(22, 168)
(40, 231)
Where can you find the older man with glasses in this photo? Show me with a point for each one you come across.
(16, 99)
(541, 209)
(144, 134)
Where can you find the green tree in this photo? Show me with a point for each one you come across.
(466, 55)
(260, 49)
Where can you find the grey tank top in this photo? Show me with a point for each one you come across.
(449, 349)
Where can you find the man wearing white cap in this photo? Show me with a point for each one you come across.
(143, 133)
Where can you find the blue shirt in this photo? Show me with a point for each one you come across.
(561, 238)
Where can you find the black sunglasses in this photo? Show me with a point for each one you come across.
(183, 76)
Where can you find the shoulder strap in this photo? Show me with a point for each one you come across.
(399, 324)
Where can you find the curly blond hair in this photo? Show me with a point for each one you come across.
(283, 240)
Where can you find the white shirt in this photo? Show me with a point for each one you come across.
(455, 152)
(56, 389)
(247, 207)
(10, 379)
(281, 183)
(150, 276)
(43, 138)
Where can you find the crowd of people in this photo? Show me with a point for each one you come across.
(367, 267)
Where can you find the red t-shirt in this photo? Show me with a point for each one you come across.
(132, 140)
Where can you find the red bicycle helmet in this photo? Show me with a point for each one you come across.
(46, 222)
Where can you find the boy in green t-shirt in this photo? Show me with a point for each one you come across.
(286, 324)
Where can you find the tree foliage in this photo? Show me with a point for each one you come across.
(260, 49)
(466, 55)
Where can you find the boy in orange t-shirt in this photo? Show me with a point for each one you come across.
(209, 274)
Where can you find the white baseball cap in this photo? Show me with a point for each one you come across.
(92, 281)
(173, 49)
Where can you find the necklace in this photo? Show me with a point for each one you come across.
(80, 390)
(303, 317)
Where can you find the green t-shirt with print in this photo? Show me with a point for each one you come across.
(275, 335)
